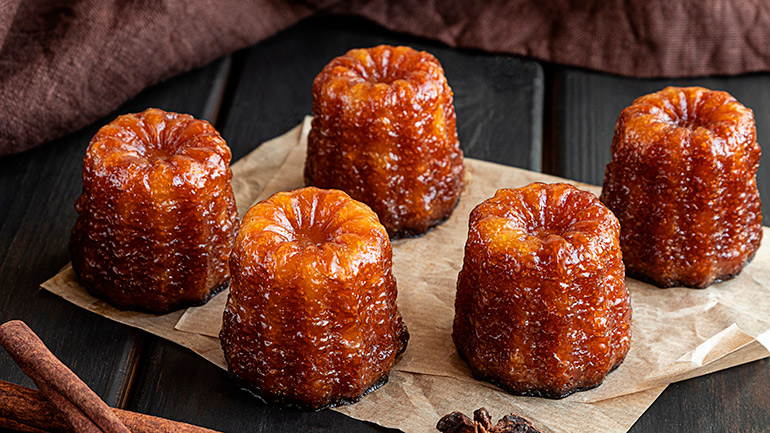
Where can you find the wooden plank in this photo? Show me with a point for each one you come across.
(732, 400)
(584, 107)
(38, 190)
(498, 103)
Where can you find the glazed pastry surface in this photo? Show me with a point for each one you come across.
(384, 132)
(542, 306)
(682, 182)
(157, 218)
(312, 320)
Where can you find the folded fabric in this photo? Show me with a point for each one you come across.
(65, 63)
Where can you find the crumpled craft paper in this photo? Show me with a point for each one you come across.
(677, 333)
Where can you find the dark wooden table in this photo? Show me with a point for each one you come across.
(509, 110)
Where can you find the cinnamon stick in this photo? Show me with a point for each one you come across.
(85, 411)
(79, 421)
(27, 410)
(13, 425)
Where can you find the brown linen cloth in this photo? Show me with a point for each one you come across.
(65, 63)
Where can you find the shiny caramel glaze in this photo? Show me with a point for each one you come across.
(542, 306)
(157, 217)
(384, 132)
(312, 320)
(682, 182)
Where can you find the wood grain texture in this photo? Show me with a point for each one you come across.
(38, 190)
(498, 102)
(584, 107)
(732, 400)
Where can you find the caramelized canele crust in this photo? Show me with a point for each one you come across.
(312, 320)
(157, 218)
(682, 182)
(384, 132)
(542, 306)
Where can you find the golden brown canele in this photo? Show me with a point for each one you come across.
(542, 307)
(682, 182)
(384, 132)
(312, 320)
(156, 219)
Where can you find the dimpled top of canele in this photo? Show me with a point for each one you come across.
(677, 122)
(381, 75)
(157, 151)
(546, 229)
(335, 239)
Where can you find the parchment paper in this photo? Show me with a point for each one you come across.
(677, 333)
